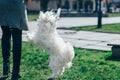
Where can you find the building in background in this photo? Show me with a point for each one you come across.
(114, 5)
(83, 6)
(70, 5)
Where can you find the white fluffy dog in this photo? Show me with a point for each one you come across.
(46, 36)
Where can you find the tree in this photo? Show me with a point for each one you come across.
(67, 4)
(59, 3)
(96, 6)
(108, 6)
(44, 5)
(80, 5)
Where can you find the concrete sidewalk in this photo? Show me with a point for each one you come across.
(86, 21)
(81, 21)
(84, 39)
(90, 40)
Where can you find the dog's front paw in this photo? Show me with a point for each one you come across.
(29, 36)
(50, 79)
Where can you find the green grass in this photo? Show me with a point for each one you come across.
(33, 16)
(110, 28)
(114, 14)
(87, 65)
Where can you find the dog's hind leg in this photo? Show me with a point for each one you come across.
(61, 71)
(56, 72)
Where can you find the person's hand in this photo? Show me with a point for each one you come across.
(28, 1)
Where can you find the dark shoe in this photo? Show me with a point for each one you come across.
(6, 68)
(50, 79)
(3, 77)
(15, 76)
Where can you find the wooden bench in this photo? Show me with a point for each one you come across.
(115, 50)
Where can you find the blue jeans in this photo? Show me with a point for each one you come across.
(16, 35)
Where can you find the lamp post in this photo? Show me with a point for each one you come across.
(99, 14)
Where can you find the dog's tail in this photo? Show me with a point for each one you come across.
(68, 65)
(70, 50)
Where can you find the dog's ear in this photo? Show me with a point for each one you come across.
(58, 12)
(42, 15)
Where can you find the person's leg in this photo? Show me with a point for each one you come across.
(5, 42)
(17, 46)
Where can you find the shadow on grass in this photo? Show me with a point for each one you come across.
(85, 28)
(113, 58)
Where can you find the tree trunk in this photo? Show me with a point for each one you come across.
(108, 6)
(80, 3)
(44, 5)
(59, 4)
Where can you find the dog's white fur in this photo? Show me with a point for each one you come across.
(46, 36)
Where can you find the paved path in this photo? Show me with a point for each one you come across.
(90, 40)
(82, 21)
(86, 21)
(84, 39)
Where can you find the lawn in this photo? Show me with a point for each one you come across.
(33, 16)
(87, 65)
(110, 28)
(114, 14)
